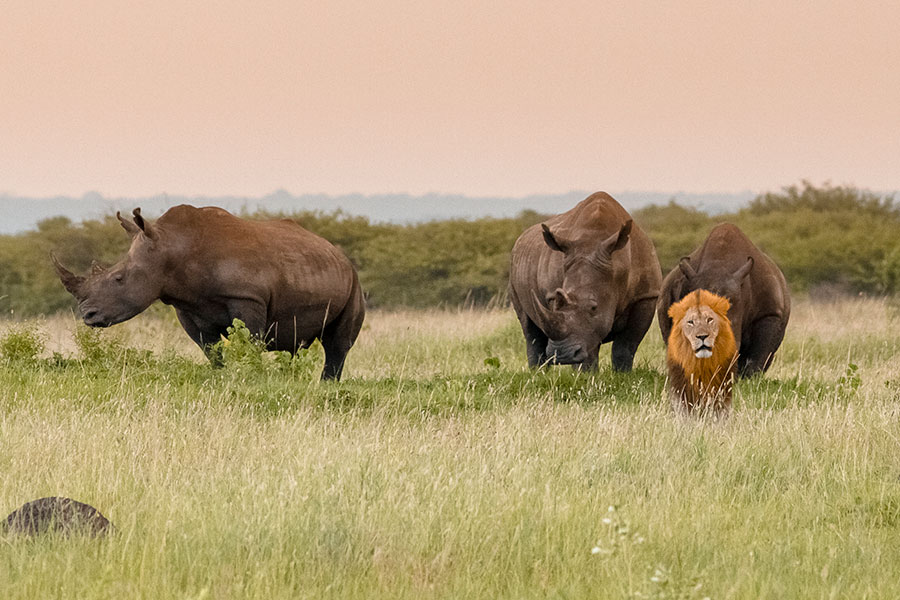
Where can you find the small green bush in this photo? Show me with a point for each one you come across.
(23, 344)
(242, 351)
(850, 381)
(97, 345)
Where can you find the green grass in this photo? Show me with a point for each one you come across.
(442, 468)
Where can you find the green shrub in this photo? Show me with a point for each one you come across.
(98, 345)
(241, 351)
(818, 235)
(23, 344)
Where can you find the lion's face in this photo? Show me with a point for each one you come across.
(700, 327)
(701, 351)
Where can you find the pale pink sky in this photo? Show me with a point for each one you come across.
(472, 96)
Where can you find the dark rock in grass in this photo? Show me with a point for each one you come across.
(57, 514)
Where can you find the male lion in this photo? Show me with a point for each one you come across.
(701, 354)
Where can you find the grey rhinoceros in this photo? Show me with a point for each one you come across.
(730, 265)
(581, 279)
(288, 285)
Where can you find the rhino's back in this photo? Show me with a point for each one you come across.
(278, 260)
(726, 247)
(593, 219)
(726, 250)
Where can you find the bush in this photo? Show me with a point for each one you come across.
(819, 236)
(98, 345)
(243, 352)
(827, 235)
(239, 349)
(23, 344)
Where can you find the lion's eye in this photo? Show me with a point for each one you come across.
(690, 322)
(709, 319)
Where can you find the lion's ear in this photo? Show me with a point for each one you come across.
(676, 312)
(721, 306)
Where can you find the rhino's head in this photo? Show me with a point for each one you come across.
(111, 295)
(725, 284)
(579, 315)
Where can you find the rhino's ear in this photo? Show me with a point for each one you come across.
(70, 281)
(744, 270)
(618, 240)
(148, 229)
(127, 225)
(552, 240)
(686, 268)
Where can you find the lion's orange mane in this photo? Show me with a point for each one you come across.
(700, 383)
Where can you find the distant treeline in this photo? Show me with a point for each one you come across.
(839, 239)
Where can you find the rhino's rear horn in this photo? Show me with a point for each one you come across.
(70, 281)
(560, 299)
(96, 268)
(547, 315)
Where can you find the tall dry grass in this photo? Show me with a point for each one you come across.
(428, 473)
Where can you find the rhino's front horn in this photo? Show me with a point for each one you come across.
(70, 281)
(544, 313)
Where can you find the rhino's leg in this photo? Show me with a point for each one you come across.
(759, 343)
(339, 335)
(535, 343)
(669, 295)
(203, 337)
(626, 342)
(252, 313)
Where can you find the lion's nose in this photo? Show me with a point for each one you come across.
(702, 338)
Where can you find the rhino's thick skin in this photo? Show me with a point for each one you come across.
(289, 286)
(729, 264)
(581, 279)
(57, 514)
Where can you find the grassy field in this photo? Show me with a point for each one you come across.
(442, 468)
